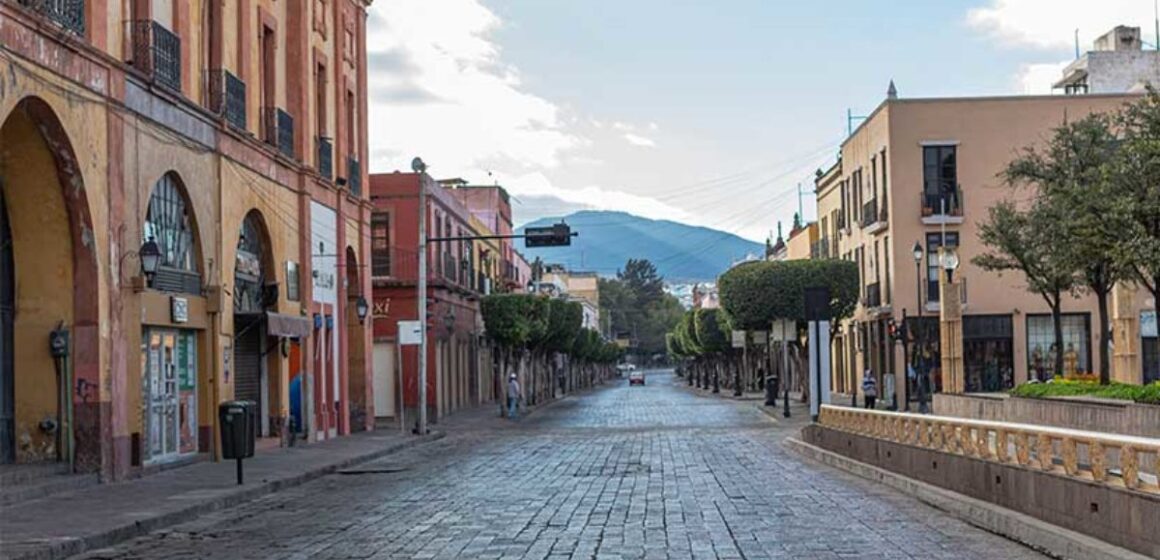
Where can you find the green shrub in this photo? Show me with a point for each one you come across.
(1147, 394)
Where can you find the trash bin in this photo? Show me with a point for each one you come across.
(239, 430)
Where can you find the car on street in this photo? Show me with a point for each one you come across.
(636, 377)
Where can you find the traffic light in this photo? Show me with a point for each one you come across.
(558, 235)
(897, 330)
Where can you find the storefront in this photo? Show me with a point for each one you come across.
(988, 353)
(1042, 350)
(170, 393)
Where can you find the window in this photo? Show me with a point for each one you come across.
(882, 165)
(1041, 348)
(167, 223)
(886, 295)
(939, 176)
(293, 282)
(381, 244)
(933, 242)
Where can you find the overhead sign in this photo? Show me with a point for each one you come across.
(410, 333)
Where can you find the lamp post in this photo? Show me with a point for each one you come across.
(948, 259)
(920, 373)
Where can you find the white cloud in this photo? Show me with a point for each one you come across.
(1051, 24)
(638, 140)
(596, 197)
(1037, 79)
(440, 89)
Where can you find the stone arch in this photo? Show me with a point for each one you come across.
(257, 375)
(56, 282)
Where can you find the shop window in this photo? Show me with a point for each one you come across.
(988, 356)
(1041, 350)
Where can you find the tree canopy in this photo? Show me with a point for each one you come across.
(636, 306)
(756, 294)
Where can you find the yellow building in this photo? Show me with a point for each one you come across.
(169, 180)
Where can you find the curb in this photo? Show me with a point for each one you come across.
(71, 546)
(1044, 537)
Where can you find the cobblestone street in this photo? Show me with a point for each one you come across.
(641, 472)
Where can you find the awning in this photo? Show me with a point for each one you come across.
(289, 326)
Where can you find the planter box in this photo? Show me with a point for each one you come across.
(1078, 413)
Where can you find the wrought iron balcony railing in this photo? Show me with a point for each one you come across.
(227, 96)
(870, 213)
(325, 158)
(157, 53)
(947, 201)
(874, 295)
(278, 130)
(69, 14)
(354, 176)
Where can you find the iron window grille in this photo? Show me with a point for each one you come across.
(69, 14)
(227, 97)
(354, 175)
(278, 130)
(157, 53)
(168, 224)
(325, 158)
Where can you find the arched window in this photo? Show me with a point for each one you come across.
(169, 224)
(249, 278)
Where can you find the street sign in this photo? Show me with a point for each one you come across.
(739, 339)
(410, 333)
(783, 330)
(558, 235)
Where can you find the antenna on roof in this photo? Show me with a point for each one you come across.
(1077, 43)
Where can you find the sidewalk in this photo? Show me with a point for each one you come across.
(70, 523)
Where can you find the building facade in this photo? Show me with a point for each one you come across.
(918, 175)
(459, 274)
(169, 187)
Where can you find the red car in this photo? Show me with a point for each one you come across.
(636, 378)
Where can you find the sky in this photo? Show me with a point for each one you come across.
(708, 112)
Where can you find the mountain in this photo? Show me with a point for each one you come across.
(681, 253)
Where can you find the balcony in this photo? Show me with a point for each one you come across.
(278, 130)
(69, 14)
(874, 219)
(354, 176)
(325, 158)
(156, 53)
(227, 97)
(394, 266)
(943, 207)
(873, 299)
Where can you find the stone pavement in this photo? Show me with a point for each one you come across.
(67, 523)
(642, 472)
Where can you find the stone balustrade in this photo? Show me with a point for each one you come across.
(1108, 459)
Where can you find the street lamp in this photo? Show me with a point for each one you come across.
(920, 374)
(150, 256)
(949, 260)
(361, 308)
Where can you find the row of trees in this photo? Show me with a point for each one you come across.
(635, 305)
(533, 334)
(1090, 217)
(753, 296)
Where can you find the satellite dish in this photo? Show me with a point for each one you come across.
(418, 166)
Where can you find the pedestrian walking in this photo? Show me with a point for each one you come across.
(513, 395)
(869, 388)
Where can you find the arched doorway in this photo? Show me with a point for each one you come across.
(254, 293)
(50, 405)
(358, 373)
(169, 375)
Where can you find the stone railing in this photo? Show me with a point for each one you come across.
(1113, 460)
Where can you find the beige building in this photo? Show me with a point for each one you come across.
(921, 174)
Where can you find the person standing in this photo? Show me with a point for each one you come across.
(869, 388)
(513, 395)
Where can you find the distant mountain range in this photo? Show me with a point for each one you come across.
(681, 253)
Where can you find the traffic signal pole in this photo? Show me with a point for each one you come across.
(422, 308)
